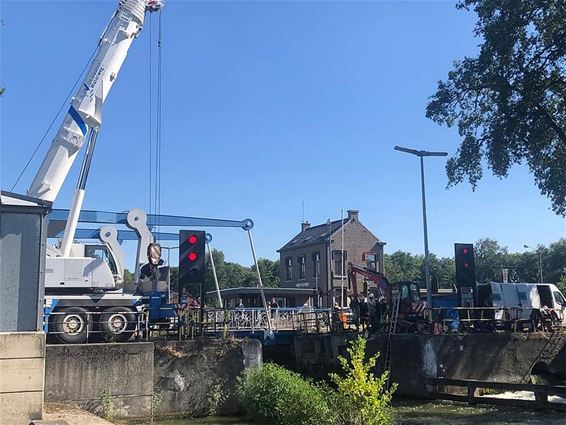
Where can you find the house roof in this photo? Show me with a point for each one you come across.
(314, 235)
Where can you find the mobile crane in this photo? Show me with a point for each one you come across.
(84, 281)
(69, 269)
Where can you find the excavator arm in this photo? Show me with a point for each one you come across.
(378, 278)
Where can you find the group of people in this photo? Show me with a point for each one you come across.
(367, 311)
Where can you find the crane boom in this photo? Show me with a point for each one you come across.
(85, 112)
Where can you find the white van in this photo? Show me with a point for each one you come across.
(525, 296)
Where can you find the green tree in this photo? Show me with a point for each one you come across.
(442, 269)
(361, 397)
(490, 259)
(129, 280)
(509, 102)
(554, 261)
(269, 271)
(402, 266)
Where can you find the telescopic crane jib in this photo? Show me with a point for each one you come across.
(85, 114)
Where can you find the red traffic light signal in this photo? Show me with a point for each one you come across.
(465, 265)
(192, 256)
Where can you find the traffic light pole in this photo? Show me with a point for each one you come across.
(426, 259)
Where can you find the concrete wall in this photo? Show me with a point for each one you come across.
(168, 378)
(198, 377)
(22, 356)
(488, 357)
(88, 374)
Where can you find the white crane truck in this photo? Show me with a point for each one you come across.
(77, 281)
(84, 293)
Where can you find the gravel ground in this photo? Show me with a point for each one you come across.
(72, 414)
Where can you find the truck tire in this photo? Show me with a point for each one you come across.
(117, 324)
(71, 325)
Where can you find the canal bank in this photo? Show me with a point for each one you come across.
(410, 412)
(197, 377)
(415, 358)
(137, 380)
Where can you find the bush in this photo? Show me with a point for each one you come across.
(277, 396)
(361, 398)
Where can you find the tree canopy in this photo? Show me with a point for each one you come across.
(509, 102)
(490, 258)
(233, 275)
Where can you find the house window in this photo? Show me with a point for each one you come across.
(316, 264)
(289, 268)
(339, 258)
(302, 266)
(371, 260)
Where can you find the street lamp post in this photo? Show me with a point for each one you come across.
(421, 155)
(539, 252)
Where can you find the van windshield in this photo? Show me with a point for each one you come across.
(559, 298)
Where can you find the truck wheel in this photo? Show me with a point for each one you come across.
(117, 324)
(71, 325)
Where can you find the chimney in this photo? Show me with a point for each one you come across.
(305, 225)
(353, 215)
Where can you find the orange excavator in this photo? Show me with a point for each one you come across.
(410, 302)
(380, 281)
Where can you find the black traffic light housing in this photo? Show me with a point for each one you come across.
(192, 257)
(465, 272)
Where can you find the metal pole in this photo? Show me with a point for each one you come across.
(330, 288)
(540, 264)
(342, 259)
(267, 313)
(426, 259)
(214, 274)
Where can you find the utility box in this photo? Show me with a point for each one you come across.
(23, 230)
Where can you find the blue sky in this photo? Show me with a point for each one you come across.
(267, 104)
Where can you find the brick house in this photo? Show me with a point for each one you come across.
(314, 259)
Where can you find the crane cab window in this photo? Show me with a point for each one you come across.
(101, 252)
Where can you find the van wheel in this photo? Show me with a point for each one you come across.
(117, 324)
(71, 325)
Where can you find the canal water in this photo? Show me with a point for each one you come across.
(425, 413)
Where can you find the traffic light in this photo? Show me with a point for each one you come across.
(465, 266)
(191, 257)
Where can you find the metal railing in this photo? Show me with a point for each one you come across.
(511, 319)
(255, 320)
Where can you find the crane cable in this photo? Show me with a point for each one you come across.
(150, 148)
(158, 139)
(79, 78)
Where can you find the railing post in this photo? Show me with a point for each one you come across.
(471, 394)
(86, 324)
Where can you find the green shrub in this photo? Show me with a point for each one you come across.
(361, 398)
(277, 396)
